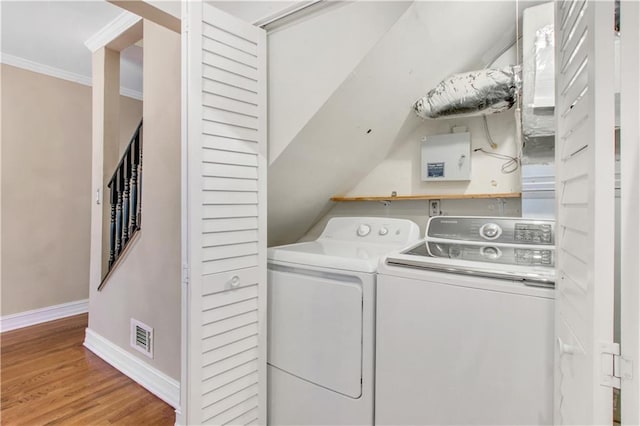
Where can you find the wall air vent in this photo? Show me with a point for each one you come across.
(142, 337)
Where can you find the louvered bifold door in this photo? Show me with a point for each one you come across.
(225, 205)
(585, 209)
(630, 208)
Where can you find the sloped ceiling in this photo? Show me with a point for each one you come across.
(362, 119)
(307, 63)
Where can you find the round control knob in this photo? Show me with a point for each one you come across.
(383, 231)
(363, 230)
(491, 252)
(454, 252)
(490, 231)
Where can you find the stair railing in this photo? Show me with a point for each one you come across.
(125, 196)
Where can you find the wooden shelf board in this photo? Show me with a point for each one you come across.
(429, 197)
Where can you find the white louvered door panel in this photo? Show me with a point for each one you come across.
(225, 248)
(585, 206)
(630, 206)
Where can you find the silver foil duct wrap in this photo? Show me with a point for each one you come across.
(538, 95)
(486, 91)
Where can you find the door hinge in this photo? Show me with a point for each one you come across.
(613, 367)
(185, 274)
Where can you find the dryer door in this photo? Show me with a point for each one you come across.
(315, 327)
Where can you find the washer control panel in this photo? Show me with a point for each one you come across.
(504, 254)
(499, 230)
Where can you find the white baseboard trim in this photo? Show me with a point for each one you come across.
(37, 316)
(179, 419)
(155, 381)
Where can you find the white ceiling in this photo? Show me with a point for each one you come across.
(52, 34)
(48, 36)
(252, 11)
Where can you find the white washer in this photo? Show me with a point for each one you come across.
(467, 342)
(321, 321)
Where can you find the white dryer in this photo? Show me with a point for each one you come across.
(464, 325)
(321, 321)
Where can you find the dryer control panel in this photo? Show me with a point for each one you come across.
(381, 230)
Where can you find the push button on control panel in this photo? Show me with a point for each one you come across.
(534, 257)
(532, 233)
(383, 231)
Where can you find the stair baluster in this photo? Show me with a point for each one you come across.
(133, 222)
(139, 166)
(135, 173)
(126, 172)
(113, 198)
(119, 186)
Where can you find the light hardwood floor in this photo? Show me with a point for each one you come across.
(48, 377)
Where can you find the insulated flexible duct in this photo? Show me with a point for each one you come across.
(472, 93)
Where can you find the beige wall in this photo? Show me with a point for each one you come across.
(46, 194)
(146, 284)
(130, 116)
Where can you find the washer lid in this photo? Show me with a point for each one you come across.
(418, 256)
(343, 255)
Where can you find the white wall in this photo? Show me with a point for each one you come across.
(335, 151)
(400, 171)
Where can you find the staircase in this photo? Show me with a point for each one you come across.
(125, 195)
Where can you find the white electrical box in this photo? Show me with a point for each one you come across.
(446, 157)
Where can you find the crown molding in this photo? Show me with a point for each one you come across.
(111, 31)
(39, 68)
(130, 93)
(26, 64)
